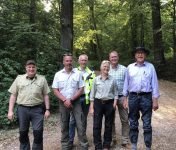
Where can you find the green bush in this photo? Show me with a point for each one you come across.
(8, 72)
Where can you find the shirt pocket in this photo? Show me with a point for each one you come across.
(99, 86)
(74, 83)
(61, 84)
(146, 78)
(37, 88)
(23, 87)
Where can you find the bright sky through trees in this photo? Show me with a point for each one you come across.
(47, 4)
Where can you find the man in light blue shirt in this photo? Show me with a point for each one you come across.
(141, 88)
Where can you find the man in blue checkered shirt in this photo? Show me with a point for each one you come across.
(118, 73)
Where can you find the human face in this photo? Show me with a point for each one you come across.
(114, 58)
(31, 70)
(140, 57)
(83, 61)
(67, 61)
(105, 68)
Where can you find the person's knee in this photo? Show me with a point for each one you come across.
(24, 137)
(38, 136)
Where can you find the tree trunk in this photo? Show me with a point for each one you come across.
(157, 32)
(174, 28)
(32, 20)
(141, 17)
(96, 47)
(67, 25)
(133, 26)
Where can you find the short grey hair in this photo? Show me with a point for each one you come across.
(82, 55)
(105, 62)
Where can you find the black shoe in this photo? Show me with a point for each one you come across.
(71, 144)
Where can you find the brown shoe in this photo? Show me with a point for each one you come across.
(126, 146)
(114, 141)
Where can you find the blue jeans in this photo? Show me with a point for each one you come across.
(72, 124)
(143, 104)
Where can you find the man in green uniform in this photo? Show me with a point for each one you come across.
(30, 91)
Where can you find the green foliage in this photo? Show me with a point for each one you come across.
(99, 27)
(21, 40)
(94, 64)
(8, 71)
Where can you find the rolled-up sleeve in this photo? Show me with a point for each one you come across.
(46, 88)
(14, 87)
(126, 84)
(155, 88)
(55, 84)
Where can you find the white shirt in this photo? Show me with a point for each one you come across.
(68, 84)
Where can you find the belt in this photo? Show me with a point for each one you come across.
(140, 93)
(83, 95)
(120, 96)
(105, 101)
(30, 106)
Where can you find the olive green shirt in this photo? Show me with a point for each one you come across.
(29, 92)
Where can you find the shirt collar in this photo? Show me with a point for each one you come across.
(86, 69)
(106, 78)
(144, 64)
(31, 78)
(117, 66)
(73, 70)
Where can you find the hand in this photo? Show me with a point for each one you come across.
(10, 115)
(155, 105)
(125, 102)
(68, 104)
(47, 114)
(91, 111)
(115, 104)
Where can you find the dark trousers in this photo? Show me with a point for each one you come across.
(107, 110)
(80, 119)
(35, 115)
(143, 104)
(72, 124)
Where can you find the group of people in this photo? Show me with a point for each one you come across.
(132, 90)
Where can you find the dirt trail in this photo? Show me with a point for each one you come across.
(164, 130)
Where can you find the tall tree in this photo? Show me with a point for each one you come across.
(67, 25)
(32, 19)
(95, 47)
(157, 32)
(174, 26)
(133, 25)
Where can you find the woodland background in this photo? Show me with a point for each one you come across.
(29, 29)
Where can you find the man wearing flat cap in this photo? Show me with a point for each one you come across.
(30, 92)
(141, 88)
